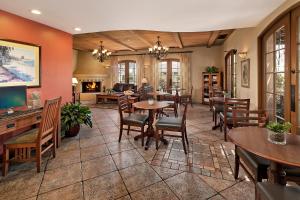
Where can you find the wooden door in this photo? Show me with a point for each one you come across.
(276, 75)
(295, 70)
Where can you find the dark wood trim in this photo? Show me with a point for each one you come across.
(178, 40)
(213, 37)
(229, 53)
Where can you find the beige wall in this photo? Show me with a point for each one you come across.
(200, 59)
(246, 40)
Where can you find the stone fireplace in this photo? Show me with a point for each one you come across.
(91, 86)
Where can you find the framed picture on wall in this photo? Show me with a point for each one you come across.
(19, 64)
(245, 76)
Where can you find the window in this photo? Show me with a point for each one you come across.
(230, 73)
(127, 72)
(169, 74)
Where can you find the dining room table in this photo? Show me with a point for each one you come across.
(255, 140)
(152, 106)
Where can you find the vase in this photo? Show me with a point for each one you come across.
(277, 138)
(73, 131)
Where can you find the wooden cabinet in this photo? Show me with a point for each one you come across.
(210, 81)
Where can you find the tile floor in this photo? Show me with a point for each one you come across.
(94, 165)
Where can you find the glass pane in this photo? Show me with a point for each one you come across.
(270, 44)
(162, 75)
(280, 38)
(269, 62)
(175, 74)
(280, 60)
(279, 83)
(270, 105)
(132, 72)
(121, 67)
(279, 103)
(270, 83)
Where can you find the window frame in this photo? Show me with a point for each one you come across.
(169, 77)
(127, 73)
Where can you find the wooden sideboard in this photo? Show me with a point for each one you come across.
(11, 125)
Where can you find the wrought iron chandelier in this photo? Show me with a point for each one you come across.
(101, 54)
(158, 50)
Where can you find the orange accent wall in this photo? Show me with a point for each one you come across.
(56, 53)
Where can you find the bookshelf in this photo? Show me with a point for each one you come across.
(210, 81)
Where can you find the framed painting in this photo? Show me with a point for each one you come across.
(245, 76)
(19, 64)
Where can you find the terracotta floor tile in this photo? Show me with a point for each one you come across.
(166, 173)
(97, 167)
(217, 184)
(127, 158)
(189, 186)
(64, 158)
(116, 147)
(139, 176)
(70, 192)
(240, 191)
(157, 191)
(94, 152)
(91, 141)
(61, 177)
(109, 186)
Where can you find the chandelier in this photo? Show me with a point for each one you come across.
(101, 54)
(158, 50)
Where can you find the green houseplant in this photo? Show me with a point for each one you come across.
(72, 116)
(212, 69)
(277, 132)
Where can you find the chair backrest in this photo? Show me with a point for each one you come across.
(167, 97)
(49, 121)
(123, 105)
(217, 93)
(231, 104)
(242, 118)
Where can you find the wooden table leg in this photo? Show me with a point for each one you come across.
(276, 173)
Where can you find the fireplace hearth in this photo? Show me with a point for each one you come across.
(91, 86)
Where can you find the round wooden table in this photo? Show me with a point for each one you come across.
(255, 140)
(144, 105)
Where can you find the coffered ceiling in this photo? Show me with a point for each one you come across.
(140, 40)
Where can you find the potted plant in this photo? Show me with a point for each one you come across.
(212, 69)
(72, 116)
(277, 132)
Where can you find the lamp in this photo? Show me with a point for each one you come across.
(242, 54)
(144, 81)
(74, 81)
(101, 54)
(158, 50)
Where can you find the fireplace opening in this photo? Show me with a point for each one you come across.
(91, 86)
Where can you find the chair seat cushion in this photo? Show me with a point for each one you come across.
(27, 137)
(136, 119)
(292, 171)
(169, 122)
(253, 160)
(270, 191)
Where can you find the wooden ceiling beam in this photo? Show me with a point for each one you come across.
(140, 37)
(213, 36)
(117, 41)
(178, 40)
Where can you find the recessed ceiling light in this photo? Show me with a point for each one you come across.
(36, 12)
(77, 29)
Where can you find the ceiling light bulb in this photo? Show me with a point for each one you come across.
(77, 29)
(95, 51)
(36, 12)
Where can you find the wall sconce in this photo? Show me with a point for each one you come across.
(242, 54)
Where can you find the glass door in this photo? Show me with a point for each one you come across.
(276, 60)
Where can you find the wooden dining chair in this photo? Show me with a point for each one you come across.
(255, 166)
(216, 108)
(172, 101)
(40, 139)
(188, 97)
(173, 124)
(226, 116)
(135, 120)
(292, 174)
(269, 191)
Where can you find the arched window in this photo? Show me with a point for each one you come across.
(169, 74)
(230, 72)
(127, 71)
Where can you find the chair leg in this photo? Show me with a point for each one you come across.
(175, 110)
(186, 138)
(121, 131)
(38, 160)
(225, 133)
(213, 116)
(237, 166)
(128, 130)
(5, 160)
(156, 138)
(183, 142)
(142, 130)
